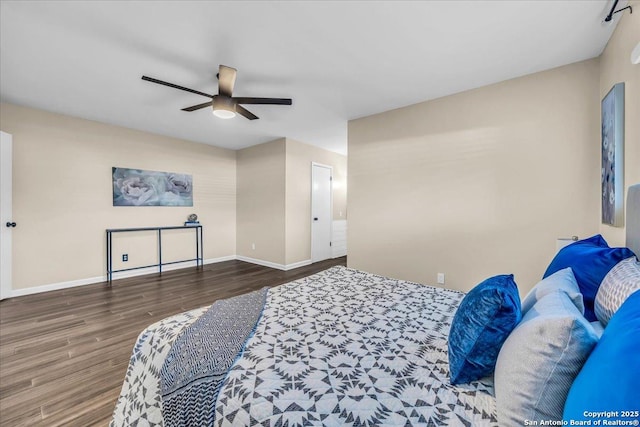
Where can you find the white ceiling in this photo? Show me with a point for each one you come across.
(338, 60)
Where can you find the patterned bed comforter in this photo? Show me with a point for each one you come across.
(341, 347)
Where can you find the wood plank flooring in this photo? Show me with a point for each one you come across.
(63, 354)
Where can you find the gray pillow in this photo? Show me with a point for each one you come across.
(562, 280)
(540, 359)
(621, 281)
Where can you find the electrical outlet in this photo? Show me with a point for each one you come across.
(441, 278)
(125, 257)
(253, 246)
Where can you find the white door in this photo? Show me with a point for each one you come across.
(6, 222)
(321, 212)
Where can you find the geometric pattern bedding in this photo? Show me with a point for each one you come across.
(202, 355)
(341, 347)
(140, 400)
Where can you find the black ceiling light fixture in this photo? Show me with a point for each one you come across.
(614, 11)
(224, 104)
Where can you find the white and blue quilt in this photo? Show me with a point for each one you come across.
(341, 347)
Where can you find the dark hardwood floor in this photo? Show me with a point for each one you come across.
(63, 354)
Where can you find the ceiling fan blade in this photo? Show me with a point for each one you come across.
(271, 101)
(246, 113)
(160, 82)
(226, 80)
(199, 106)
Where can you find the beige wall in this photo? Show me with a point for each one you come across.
(479, 183)
(299, 158)
(471, 185)
(274, 199)
(616, 67)
(62, 195)
(261, 201)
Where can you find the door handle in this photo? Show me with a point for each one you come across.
(11, 224)
(315, 219)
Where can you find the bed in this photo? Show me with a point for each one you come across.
(341, 347)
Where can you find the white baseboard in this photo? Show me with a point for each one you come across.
(273, 264)
(177, 266)
(120, 275)
(149, 270)
(339, 253)
(297, 264)
(56, 286)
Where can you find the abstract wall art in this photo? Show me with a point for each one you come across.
(613, 156)
(136, 187)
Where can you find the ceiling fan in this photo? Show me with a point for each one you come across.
(224, 104)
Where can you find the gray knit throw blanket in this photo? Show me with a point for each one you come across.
(201, 355)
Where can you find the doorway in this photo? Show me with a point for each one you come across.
(321, 211)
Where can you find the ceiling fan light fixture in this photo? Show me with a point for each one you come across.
(224, 114)
(223, 107)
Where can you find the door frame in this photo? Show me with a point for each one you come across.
(315, 164)
(6, 161)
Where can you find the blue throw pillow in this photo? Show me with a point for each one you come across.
(608, 382)
(590, 259)
(485, 317)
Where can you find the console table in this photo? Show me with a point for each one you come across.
(199, 251)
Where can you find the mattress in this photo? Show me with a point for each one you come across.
(341, 347)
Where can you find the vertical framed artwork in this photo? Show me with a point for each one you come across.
(612, 126)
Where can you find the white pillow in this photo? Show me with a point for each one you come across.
(540, 359)
(562, 280)
(621, 281)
